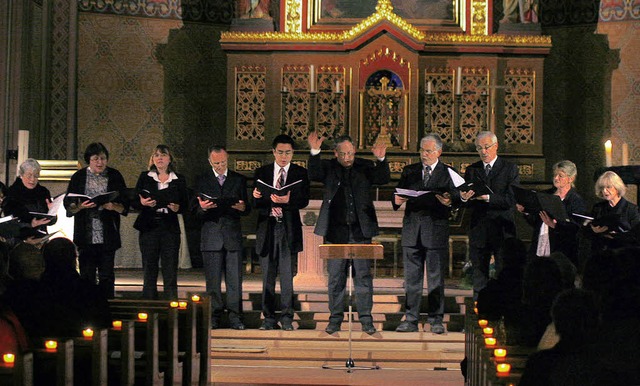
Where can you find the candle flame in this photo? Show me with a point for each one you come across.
(9, 358)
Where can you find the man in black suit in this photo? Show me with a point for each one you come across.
(492, 219)
(347, 216)
(279, 230)
(425, 233)
(221, 234)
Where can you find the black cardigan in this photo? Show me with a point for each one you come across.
(110, 219)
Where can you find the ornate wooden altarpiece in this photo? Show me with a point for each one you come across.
(386, 78)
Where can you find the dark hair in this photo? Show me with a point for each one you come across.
(95, 148)
(284, 139)
(164, 149)
(575, 315)
(216, 149)
(341, 139)
(59, 255)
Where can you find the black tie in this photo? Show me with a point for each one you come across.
(487, 169)
(426, 175)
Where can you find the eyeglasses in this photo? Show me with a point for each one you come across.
(31, 176)
(486, 147)
(427, 151)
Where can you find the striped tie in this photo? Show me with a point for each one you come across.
(276, 211)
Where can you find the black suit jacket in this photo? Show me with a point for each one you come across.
(221, 226)
(178, 192)
(493, 221)
(110, 219)
(425, 218)
(564, 237)
(290, 212)
(365, 173)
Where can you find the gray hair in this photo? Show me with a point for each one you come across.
(30, 164)
(610, 178)
(432, 137)
(568, 167)
(343, 138)
(484, 134)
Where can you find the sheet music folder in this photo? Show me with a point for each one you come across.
(534, 202)
(351, 251)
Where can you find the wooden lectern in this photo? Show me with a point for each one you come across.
(350, 252)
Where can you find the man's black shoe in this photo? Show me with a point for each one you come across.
(332, 328)
(437, 328)
(237, 326)
(407, 327)
(368, 328)
(268, 326)
(287, 326)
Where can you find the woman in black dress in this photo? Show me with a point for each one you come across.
(162, 195)
(613, 216)
(25, 197)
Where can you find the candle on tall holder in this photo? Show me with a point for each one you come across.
(625, 154)
(313, 106)
(283, 111)
(608, 148)
(459, 81)
(312, 78)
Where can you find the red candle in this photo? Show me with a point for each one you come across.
(182, 305)
(9, 359)
(50, 345)
(174, 304)
(490, 342)
(483, 323)
(87, 333)
(500, 354)
(503, 369)
(142, 316)
(195, 298)
(117, 325)
(487, 331)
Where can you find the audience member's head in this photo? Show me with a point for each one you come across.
(59, 255)
(541, 283)
(25, 262)
(575, 315)
(567, 269)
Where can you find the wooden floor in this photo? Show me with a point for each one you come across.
(255, 357)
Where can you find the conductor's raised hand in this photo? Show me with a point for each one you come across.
(315, 142)
(379, 150)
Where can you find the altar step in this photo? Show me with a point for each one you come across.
(315, 348)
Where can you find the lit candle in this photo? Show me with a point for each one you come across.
(503, 369)
(475, 310)
(625, 154)
(50, 345)
(499, 354)
(490, 342)
(607, 152)
(337, 86)
(142, 316)
(312, 78)
(429, 88)
(117, 324)
(9, 358)
(459, 81)
(195, 298)
(182, 305)
(483, 323)
(487, 331)
(87, 333)
(284, 89)
(174, 304)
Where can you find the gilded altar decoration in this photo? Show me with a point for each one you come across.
(383, 99)
(479, 11)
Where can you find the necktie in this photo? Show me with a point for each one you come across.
(276, 211)
(426, 175)
(221, 178)
(487, 169)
